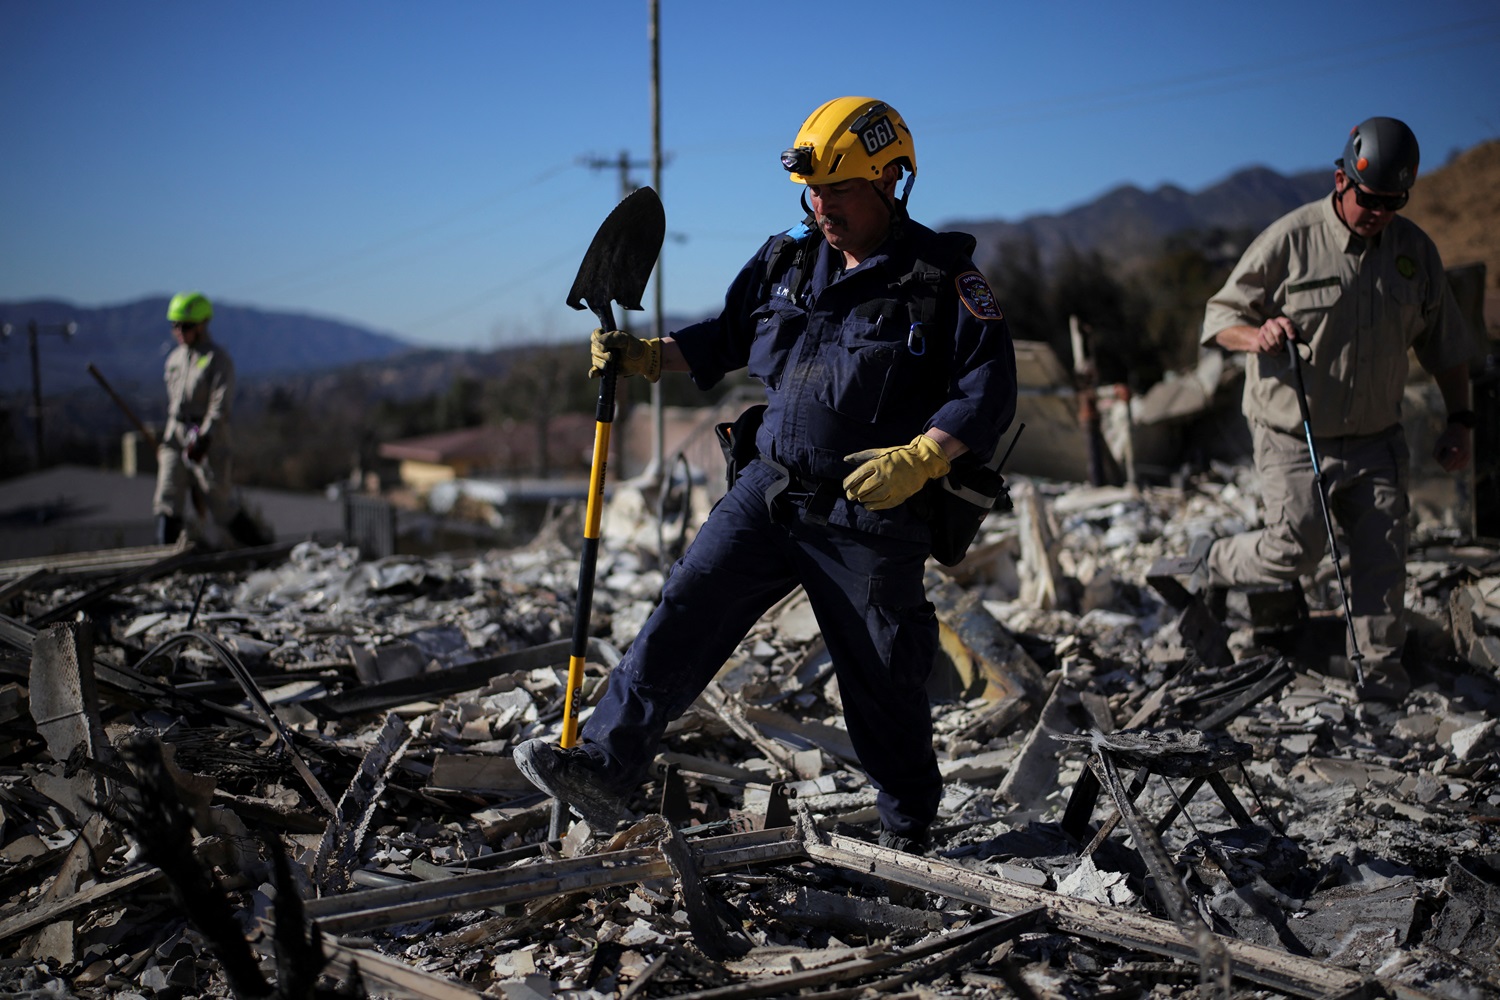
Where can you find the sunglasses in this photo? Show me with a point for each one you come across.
(183, 325)
(1382, 202)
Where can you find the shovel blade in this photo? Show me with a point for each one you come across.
(619, 260)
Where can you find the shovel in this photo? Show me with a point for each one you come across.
(615, 269)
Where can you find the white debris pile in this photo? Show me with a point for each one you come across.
(356, 720)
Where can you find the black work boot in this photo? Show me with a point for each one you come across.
(168, 529)
(245, 531)
(912, 842)
(574, 777)
(1198, 582)
(1385, 680)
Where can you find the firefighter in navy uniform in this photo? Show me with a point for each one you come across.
(886, 360)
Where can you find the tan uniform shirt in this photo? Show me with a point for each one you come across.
(200, 390)
(1359, 303)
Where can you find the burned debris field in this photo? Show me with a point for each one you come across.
(287, 771)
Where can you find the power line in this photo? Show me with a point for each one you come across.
(292, 278)
(1219, 81)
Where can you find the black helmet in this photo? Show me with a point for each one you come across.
(1381, 154)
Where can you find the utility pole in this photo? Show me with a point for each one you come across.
(623, 163)
(658, 415)
(32, 329)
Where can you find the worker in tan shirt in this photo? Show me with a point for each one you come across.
(1353, 286)
(195, 454)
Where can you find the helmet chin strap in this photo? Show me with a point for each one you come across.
(897, 208)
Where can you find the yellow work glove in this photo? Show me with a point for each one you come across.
(632, 356)
(886, 477)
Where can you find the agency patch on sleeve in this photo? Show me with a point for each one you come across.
(976, 296)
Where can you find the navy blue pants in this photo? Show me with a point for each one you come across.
(866, 591)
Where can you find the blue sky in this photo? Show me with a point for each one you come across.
(421, 168)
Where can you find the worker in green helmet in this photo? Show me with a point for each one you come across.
(195, 452)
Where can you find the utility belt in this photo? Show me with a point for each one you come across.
(816, 497)
(953, 505)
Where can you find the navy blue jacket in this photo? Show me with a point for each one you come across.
(840, 365)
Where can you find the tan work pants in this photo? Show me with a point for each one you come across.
(1366, 481)
(176, 478)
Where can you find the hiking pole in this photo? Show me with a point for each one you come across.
(616, 268)
(1356, 657)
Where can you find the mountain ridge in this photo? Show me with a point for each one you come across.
(1128, 223)
(1458, 204)
(129, 342)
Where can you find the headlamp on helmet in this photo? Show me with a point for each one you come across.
(798, 159)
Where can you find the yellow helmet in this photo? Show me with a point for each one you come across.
(850, 137)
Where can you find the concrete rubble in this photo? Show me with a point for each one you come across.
(288, 773)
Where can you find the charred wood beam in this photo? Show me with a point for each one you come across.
(16, 634)
(1212, 958)
(100, 562)
(393, 976)
(21, 584)
(397, 904)
(1295, 976)
(1264, 679)
(184, 561)
(732, 716)
(709, 932)
(955, 948)
(345, 835)
(466, 677)
(1010, 672)
(19, 923)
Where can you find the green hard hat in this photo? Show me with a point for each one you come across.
(190, 307)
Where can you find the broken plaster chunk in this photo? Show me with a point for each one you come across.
(808, 763)
(1463, 742)
(531, 987)
(1484, 652)
(1427, 788)
(1087, 882)
(144, 624)
(1024, 874)
(640, 933)
(1299, 744)
(1420, 728)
